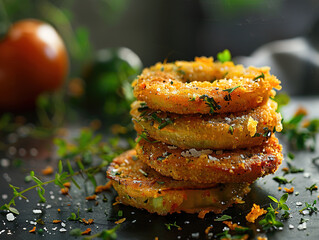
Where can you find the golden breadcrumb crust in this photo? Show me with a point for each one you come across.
(222, 131)
(205, 166)
(188, 87)
(140, 186)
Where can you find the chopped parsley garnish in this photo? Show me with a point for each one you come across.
(260, 76)
(230, 90)
(231, 130)
(144, 136)
(281, 202)
(224, 56)
(312, 188)
(211, 103)
(156, 118)
(120, 213)
(281, 180)
(165, 123)
(170, 225)
(223, 218)
(311, 207)
(270, 221)
(291, 168)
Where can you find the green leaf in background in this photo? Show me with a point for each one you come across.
(224, 56)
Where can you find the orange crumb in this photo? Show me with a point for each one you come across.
(67, 184)
(279, 188)
(64, 191)
(86, 232)
(289, 190)
(57, 221)
(255, 212)
(116, 201)
(202, 213)
(88, 222)
(207, 230)
(47, 171)
(102, 188)
(156, 238)
(68, 204)
(59, 210)
(32, 230)
(120, 221)
(231, 225)
(93, 197)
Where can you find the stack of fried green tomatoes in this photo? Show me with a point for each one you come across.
(206, 132)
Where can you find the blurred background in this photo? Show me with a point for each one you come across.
(108, 42)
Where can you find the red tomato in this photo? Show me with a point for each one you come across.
(33, 59)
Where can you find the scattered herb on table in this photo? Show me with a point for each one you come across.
(223, 218)
(170, 225)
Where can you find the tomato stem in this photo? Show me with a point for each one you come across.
(5, 23)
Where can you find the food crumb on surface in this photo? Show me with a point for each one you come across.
(90, 198)
(47, 171)
(33, 230)
(102, 188)
(64, 191)
(37, 211)
(289, 190)
(255, 212)
(207, 230)
(120, 221)
(86, 232)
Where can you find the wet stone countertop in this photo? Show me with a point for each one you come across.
(140, 224)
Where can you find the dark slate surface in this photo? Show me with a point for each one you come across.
(140, 224)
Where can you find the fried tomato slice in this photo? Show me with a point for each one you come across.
(205, 166)
(204, 86)
(222, 131)
(140, 186)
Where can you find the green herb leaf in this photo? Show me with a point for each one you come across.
(223, 218)
(224, 56)
(260, 76)
(210, 102)
(230, 90)
(169, 225)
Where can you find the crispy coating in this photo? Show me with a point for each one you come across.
(222, 131)
(200, 87)
(205, 166)
(140, 186)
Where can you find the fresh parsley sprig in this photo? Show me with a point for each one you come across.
(270, 221)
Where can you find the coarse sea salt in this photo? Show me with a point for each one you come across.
(194, 153)
(10, 217)
(37, 211)
(302, 226)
